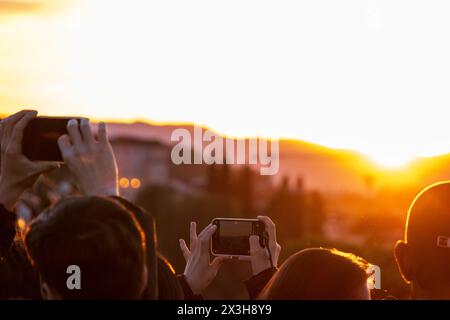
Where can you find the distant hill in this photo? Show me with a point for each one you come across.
(322, 168)
(326, 169)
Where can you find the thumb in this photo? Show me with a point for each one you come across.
(254, 244)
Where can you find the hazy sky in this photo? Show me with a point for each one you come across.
(367, 75)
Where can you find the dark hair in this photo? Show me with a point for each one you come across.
(169, 287)
(428, 220)
(318, 274)
(18, 278)
(97, 234)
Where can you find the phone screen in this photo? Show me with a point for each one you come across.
(235, 229)
(40, 140)
(232, 236)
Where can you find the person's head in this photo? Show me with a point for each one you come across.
(169, 287)
(320, 274)
(423, 257)
(19, 280)
(96, 234)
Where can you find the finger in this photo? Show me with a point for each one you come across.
(184, 249)
(7, 129)
(204, 231)
(102, 133)
(193, 234)
(86, 131)
(17, 132)
(64, 146)
(205, 238)
(202, 243)
(270, 228)
(255, 246)
(1, 139)
(8, 126)
(4, 141)
(13, 119)
(74, 133)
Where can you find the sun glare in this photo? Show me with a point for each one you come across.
(392, 162)
(231, 70)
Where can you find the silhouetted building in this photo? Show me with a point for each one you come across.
(141, 162)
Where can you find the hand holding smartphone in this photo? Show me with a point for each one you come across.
(232, 236)
(40, 139)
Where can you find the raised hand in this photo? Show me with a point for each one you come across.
(91, 160)
(199, 271)
(17, 172)
(259, 256)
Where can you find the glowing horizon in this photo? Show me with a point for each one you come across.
(343, 75)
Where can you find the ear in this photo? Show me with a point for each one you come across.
(403, 258)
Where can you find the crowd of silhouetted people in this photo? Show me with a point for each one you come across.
(114, 242)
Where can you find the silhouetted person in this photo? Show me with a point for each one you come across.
(319, 274)
(96, 234)
(423, 257)
(18, 279)
(100, 232)
(169, 287)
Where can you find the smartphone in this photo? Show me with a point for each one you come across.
(40, 138)
(232, 236)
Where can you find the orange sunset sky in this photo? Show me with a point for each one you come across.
(371, 76)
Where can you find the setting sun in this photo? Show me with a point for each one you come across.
(391, 162)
